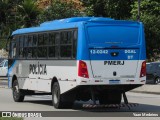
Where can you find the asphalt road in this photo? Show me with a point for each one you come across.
(147, 103)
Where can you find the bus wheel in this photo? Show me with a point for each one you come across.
(56, 97)
(18, 96)
(114, 98)
(60, 101)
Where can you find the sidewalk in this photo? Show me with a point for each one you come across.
(3, 82)
(153, 89)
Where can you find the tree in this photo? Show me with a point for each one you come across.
(58, 10)
(150, 16)
(118, 9)
(28, 11)
(5, 10)
(16, 14)
(8, 17)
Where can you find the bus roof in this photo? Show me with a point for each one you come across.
(62, 24)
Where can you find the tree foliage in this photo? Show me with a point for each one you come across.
(128, 9)
(28, 12)
(58, 10)
(150, 16)
(118, 9)
(16, 14)
(25, 13)
(5, 9)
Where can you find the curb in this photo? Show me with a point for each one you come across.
(3, 83)
(6, 87)
(156, 93)
(149, 89)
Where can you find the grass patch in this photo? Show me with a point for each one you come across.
(10, 118)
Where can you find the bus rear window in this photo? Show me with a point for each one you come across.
(119, 34)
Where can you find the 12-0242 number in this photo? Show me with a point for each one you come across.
(99, 51)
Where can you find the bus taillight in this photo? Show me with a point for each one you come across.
(143, 69)
(82, 69)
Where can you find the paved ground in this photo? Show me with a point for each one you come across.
(153, 89)
(147, 103)
(3, 83)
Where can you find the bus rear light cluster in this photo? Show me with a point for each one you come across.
(82, 69)
(143, 69)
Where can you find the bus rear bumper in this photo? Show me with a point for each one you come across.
(116, 81)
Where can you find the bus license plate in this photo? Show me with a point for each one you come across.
(114, 81)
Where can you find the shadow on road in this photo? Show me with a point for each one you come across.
(42, 102)
(139, 108)
(79, 106)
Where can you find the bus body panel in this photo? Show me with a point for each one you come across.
(108, 63)
(113, 69)
(30, 78)
(115, 80)
(114, 59)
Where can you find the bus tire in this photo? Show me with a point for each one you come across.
(18, 95)
(58, 99)
(114, 98)
(56, 96)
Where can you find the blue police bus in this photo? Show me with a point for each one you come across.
(79, 58)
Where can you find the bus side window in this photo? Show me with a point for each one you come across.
(74, 43)
(69, 37)
(34, 40)
(42, 48)
(29, 55)
(34, 46)
(45, 39)
(52, 38)
(29, 48)
(57, 37)
(13, 49)
(40, 39)
(53, 45)
(21, 46)
(30, 40)
(25, 51)
(65, 37)
(25, 40)
(65, 45)
(42, 52)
